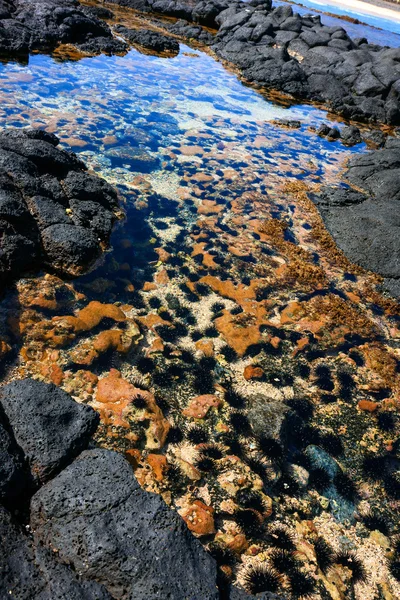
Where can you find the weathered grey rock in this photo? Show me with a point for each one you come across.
(97, 516)
(366, 226)
(48, 425)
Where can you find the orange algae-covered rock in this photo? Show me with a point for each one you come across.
(4, 349)
(113, 339)
(163, 255)
(199, 406)
(329, 318)
(206, 347)
(210, 207)
(368, 405)
(90, 316)
(253, 372)
(53, 373)
(115, 399)
(199, 518)
(239, 334)
(161, 277)
(158, 464)
(228, 289)
(237, 543)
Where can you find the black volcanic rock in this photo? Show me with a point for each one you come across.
(150, 40)
(366, 225)
(99, 519)
(27, 25)
(32, 573)
(52, 212)
(14, 477)
(292, 53)
(49, 427)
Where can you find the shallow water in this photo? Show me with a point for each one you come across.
(221, 282)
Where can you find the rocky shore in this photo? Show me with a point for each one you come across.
(297, 55)
(257, 395)
(74, 522)
(53, 214)
(28, 25)
(364, 223)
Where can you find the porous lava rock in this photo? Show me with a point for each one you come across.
(53, 214)
(97, 517)
(49, 427)
(28, 572)
(364, 221)
(149, 40)
(27, 25)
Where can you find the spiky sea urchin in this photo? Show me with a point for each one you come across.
(282, 538)
(212, 451)
(303, 407)
(240, 422)
(283, 561)
(234, 445)
(197, 435)
(250, 499)
(250, 521)
(331, 443)
(222, 554)
(386, 420)
(140, 402)
(270, 448)
(145, 364)
(352, 561)
(205, 464)
(319, 479)
(345, 486)
(229, 353)
(261, 578)
(301, 584)
(375, 522)
(324, 554)
(175, 435)
(234, 399)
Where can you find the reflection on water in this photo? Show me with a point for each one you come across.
(222, 306)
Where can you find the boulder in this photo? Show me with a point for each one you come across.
(49, 427)
(148, 39)
(30, 25)
(97, 517)
(14, 477)
(44, 215)
(32, 573)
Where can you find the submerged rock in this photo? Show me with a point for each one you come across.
(52, 213)
(99, 519)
